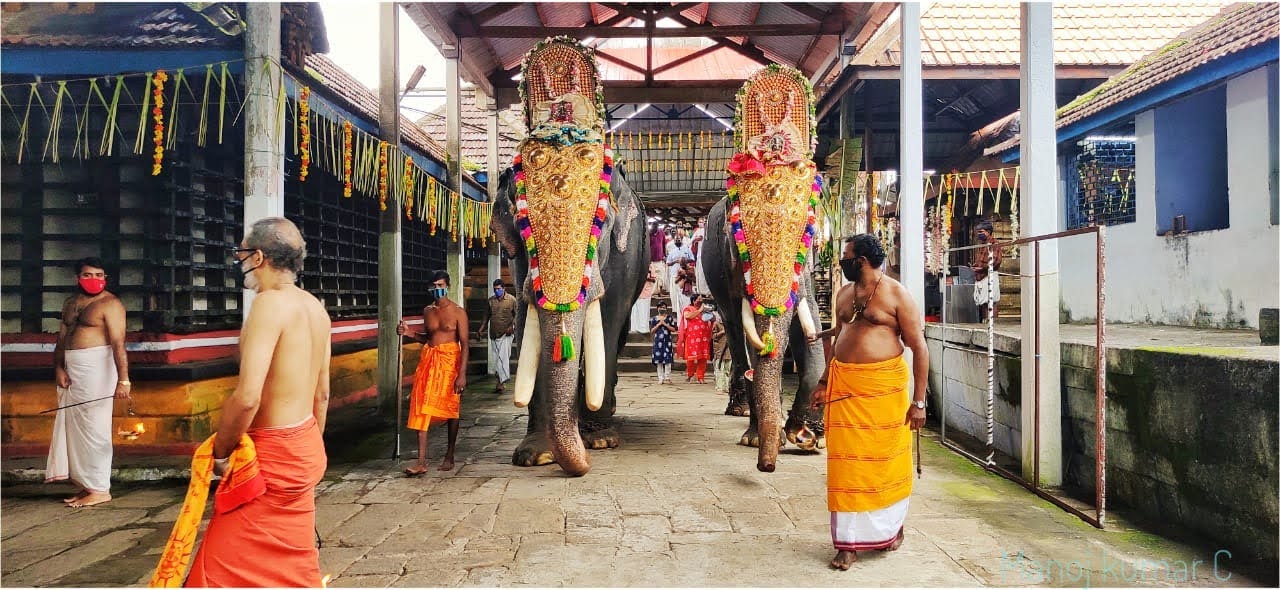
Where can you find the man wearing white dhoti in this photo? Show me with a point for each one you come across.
(90, 364)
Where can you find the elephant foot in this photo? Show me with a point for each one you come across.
(737, 408)
(534, 450)
(599, 436)
(751, 438)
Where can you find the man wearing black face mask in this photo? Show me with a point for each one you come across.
(500, 317)
(868, 460)
(442, 371)
(89, 363)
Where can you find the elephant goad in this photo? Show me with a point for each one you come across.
(574, 231)
(758, 242)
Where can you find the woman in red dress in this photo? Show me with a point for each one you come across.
(695, 334)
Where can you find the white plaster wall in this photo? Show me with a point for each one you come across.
(1217, 278)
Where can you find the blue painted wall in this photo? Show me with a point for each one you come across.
(1191, 161)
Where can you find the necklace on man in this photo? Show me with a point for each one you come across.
(858, 309)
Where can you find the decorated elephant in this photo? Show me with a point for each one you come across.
(758, 240)
(575, 233)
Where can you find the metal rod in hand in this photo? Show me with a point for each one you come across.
(918, 470)
(395, 452)
(77, 404)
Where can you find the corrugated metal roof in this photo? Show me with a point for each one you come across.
(1084, 34)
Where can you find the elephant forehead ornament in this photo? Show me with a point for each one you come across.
(773, 190)
(562, 174)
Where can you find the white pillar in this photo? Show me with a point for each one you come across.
(911, 161)
(263, 127)
(456, 260)
(494, 167)
(1039, 202)
(390, 259)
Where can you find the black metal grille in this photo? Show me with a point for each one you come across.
(1100, 184)
(166, 239)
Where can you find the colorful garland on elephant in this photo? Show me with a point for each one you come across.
(526, 233)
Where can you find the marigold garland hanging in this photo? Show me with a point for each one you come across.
(304, 131)
(157, 113)
(382, 176)
(408, 187)
(346, 158)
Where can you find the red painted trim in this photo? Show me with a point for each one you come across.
(363, 394)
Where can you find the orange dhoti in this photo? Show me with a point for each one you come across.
(868, 453)
(262, 533)
(434, 397)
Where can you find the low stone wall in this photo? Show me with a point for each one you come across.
(1191, 437)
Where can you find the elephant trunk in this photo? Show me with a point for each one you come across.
(562, 389)
(768, 391)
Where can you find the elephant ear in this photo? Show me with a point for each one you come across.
(503, 224)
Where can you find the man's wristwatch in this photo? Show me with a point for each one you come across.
(918, 404)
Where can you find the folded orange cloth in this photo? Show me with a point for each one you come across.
(433, 394)
(868, 442)
(267, 540)
(242, 484)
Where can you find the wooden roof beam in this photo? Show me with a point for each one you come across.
(495, 11)
(602, 54)
(825, 28)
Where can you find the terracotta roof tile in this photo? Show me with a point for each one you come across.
(363, 100)
(1084, 33)
(1236, 28)
(475, 131)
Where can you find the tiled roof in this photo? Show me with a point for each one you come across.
(109, 25)
(1084, 33)
(475, 131)
(1238, 27)
(365, 102)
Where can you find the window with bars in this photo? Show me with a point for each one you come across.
(1099, 179)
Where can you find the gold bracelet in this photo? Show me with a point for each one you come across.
(125, 383)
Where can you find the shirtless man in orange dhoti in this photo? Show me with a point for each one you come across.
(280, 402)
(442, 371)
(869, 411)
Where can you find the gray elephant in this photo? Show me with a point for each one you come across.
(763, 394)
(561, 425)
(759, 239)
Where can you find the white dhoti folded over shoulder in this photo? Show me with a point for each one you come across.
(80, 449)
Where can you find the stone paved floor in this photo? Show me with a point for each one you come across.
(679, 504)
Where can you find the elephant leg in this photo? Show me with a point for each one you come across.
(534, 450)
(809, 359)
(739, 393)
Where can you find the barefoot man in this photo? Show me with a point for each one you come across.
(869, 413)
(441, 374)
(89, 364)
(266, 539)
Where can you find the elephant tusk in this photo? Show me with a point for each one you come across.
(527, 367)
(593, 355)
(806, 318)
(749, 326)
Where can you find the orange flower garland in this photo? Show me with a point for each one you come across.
(304, 130)
(346, 158)
(382, 176)
(433, 204)
(408, 187)
(157, 112)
